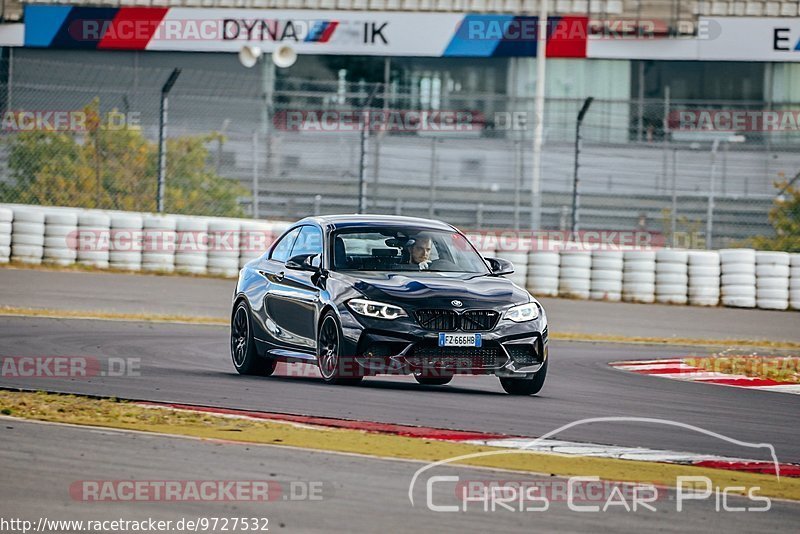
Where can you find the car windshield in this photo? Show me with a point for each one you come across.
(404, 249)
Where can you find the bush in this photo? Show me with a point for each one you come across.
(112, 168)
(785, 218)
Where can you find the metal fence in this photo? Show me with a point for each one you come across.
(298, 146)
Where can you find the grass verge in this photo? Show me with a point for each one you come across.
(778, 368)
(80, 268)
(111, 316)
(112, 413)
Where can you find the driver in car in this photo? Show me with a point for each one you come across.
(420, 252)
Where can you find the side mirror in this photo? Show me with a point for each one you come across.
(305, 262)
(500, 266)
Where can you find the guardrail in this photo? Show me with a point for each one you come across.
(741, 278)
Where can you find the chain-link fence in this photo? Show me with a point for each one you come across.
(431, 149)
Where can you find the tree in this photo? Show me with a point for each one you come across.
(785, 218)
(109, 167)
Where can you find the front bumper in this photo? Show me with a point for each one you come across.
(401, 346)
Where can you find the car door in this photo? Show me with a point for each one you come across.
(273, 268)
(292, 298)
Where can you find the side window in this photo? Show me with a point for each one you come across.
(308, 242)
(281, 251)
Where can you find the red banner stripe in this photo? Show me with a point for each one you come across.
(132, 28)
(567, 37)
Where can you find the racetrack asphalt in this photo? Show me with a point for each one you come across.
(358, 494)
(209, 297)
(191, 364)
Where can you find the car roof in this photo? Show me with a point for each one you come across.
(336, 222)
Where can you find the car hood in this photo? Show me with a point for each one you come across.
(435, 290)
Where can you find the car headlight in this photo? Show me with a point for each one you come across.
(377, 310)
(522, 313)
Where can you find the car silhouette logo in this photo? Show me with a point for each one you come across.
(456, 303)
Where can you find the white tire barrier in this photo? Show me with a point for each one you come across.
(255, 238)
(223, 247)
(29, 239)
(191, 248)
(639, 276)
(27, 235)
(575, 274)
(542, 279)
(93, 238)
(737, 260)
(605, 290)
(578, 261)
(672, 255)
(487, 248)
(794, 299)
(738, 281)
(60, 237)
(606, 275)
(672, 276)
(125, 248)
(607, 260)
(603, 275)
(794, 282)
(739, 277)
(772, 280)
(158, 243)
(704, 278)
(771, 270)
(6, 216)
(520, 261)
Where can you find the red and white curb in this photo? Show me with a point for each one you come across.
(676, 369)
(543, 446)
(640, 454)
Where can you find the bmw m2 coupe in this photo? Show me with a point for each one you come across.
(361, 295)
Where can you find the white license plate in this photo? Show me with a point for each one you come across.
(459, 340)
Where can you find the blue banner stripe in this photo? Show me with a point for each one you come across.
(84, 27)
(316, 31)
(519, 38)
(478, 36)
(42, 24)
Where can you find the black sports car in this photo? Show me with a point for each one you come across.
(361, 295)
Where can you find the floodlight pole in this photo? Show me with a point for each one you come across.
(711, 187)
(362, 165)
(538, 131)
(575, 201)
(162, 138)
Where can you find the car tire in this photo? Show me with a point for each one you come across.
(525, 386)
(244, 355)
(433, 380)
(329, 360)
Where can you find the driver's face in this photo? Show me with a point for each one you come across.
(421, 251)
